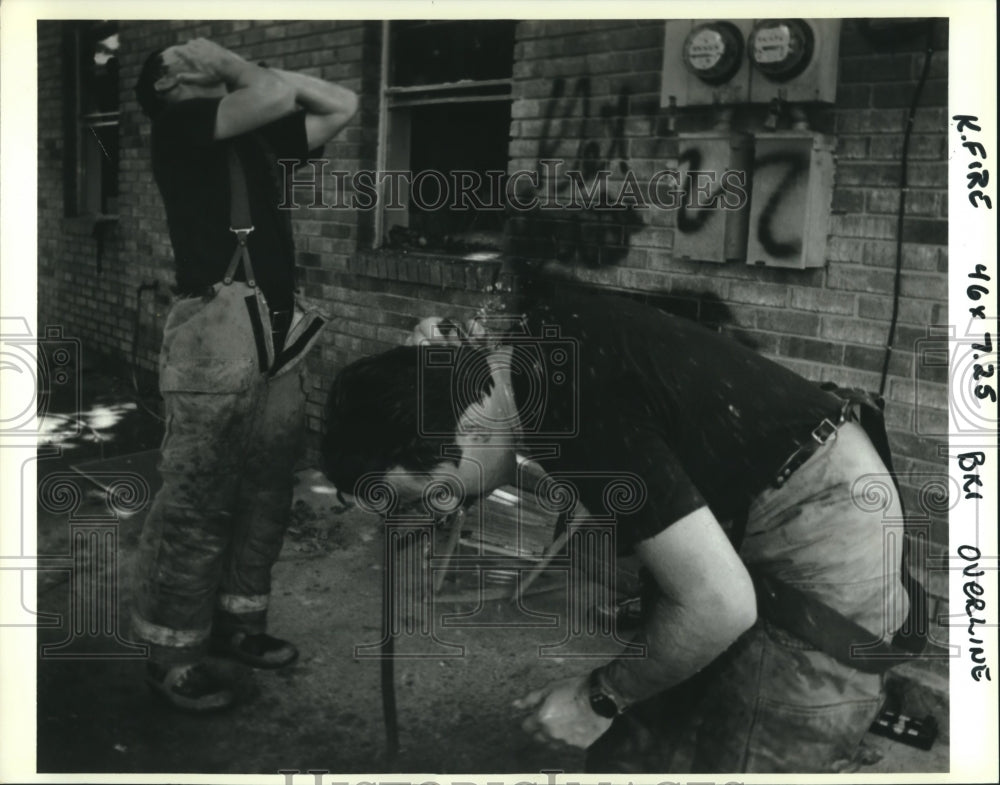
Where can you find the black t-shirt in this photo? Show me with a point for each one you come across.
(699, 418)
(192, 171)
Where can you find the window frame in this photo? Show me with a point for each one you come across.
(396, 103)
(85, 181)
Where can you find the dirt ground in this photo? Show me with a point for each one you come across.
(455, 683)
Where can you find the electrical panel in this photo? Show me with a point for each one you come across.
(720, 62)
(713, 212)
(790, 198)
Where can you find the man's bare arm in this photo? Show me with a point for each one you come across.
(706, 601)
(255, 97)
(329, 107)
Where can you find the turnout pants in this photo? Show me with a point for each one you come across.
(233, 434)
(772, 703)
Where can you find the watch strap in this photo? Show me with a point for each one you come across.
(603, 701)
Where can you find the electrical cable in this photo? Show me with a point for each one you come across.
(387, 663)
(390, 590)
(903, 187)
(387, 672)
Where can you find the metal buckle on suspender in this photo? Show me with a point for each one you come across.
(824, 431)
(241, 234)
(241, 238)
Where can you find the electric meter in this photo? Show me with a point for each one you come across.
(713, 51)
(781, 48)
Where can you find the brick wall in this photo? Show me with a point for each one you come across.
(591, 90)
(374, 301)
(583, 89)
(81, 282)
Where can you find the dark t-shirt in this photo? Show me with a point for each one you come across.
(192, 172)
(699, 418)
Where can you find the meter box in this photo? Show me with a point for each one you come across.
(793, 59)
(790, 199)
(705, 62)
(738, 61)
(712, 210)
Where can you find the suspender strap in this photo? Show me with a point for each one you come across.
(828, 630)
(239, 220)
(815, 622)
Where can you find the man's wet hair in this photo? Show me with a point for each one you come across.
(150, 101)
(383, 411)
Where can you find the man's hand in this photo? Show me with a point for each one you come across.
(564, 713)
(209, 63)
(435, 329)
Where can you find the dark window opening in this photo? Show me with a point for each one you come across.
(436, 52)
(466, 142)
(92, 110)
(448, 100)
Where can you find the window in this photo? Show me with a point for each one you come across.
(445, 122)
(91, 94)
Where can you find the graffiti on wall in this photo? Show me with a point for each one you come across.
(594, 230)
(734, 196)
(761, 199)
(779, 183)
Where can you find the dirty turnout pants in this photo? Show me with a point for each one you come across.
(772, 703)
(215, 529)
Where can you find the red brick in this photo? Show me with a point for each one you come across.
(928, 232)
(911, 338)
(854, 96)
(934, 93)
(924, 285)
(919, 312)
(859, 331)
(858, 173)
(814, 350)
(922, 146)
(859, 279)
(869, 359)
(931, 421)
(918, 202)
(898, 417)
(926, 119)
(759, 294)
(883, 67)
(870, 120)
(823, 301)
(873, 226)
(788, 321)
(848, 200)
(915, 257)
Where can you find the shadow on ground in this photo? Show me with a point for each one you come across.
(454, 690)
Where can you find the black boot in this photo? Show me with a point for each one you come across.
(191, 687)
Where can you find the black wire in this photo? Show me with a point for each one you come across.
(903, 185)
(389, 712)
(387, 663)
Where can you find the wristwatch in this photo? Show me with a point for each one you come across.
(602, 702)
